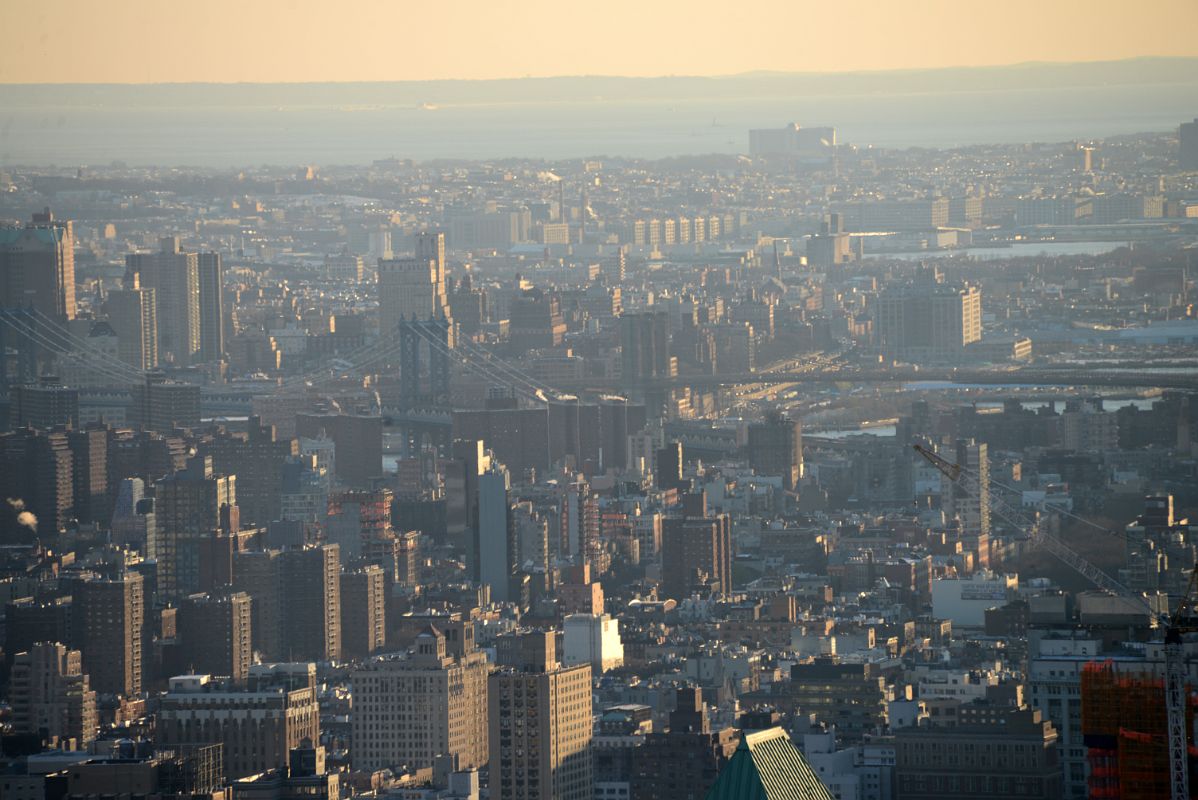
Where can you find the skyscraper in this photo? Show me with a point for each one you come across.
(133, 314)
(540, 726)
(37, 266)
(259, 573)
(36, 469)
(211, 277)
(1187, 136)
(89, 471)
(175, 278)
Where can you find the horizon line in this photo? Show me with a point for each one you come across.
(762, 73)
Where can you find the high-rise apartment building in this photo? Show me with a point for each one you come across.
(793, 142)
(696, 555)
(133, 314)
(211, 277)
(363, 611)
(414, 288)
(51, 696)
(535, 320)
(776, 448)
(540, 726)
(257, 458)
(927, 320)
(667, 471)
(109, 619)
(311, 603)
(971, 507)
(175, 278)
(89, 471)
(258, 724)
(37, 267)
(37, 472)
(410, 709)
(187, 510)
(645, 347)
(259, 573)
(163, 405)
(45, 404)
(215, 634)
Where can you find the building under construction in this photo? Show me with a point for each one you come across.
(1125, 726)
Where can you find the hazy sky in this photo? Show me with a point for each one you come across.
(325, 40)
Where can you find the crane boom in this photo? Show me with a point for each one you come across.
(1019, 519)
(1176, 690)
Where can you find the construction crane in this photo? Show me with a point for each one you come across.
(1180, 622)
(1019, 519)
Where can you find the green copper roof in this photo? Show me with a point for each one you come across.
(41, 234)
(767, 766)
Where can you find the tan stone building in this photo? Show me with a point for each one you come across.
(541, 726)
(433, 701)
(258, 725)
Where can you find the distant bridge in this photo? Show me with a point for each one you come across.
(1141, 379)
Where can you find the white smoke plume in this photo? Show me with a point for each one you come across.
(25, 519)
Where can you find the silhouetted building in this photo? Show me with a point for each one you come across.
(685, 761)
(214, 633)
(775, 447)
(211, 275)
(45, 404)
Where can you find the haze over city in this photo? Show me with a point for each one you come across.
(489, 401)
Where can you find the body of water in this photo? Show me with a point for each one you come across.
(1016, 250)
(188, 127)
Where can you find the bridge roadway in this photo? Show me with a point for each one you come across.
(1017, 377)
